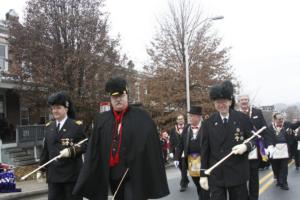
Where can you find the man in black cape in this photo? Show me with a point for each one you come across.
(123, 138)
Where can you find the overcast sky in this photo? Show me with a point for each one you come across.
(264, 36)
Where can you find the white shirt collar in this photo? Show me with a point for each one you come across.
(227, 117)
(62, 122)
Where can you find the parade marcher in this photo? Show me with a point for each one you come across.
(283, 132)
(258, 153)
(189, 148)
(224, 132)
(165, 144)
(124, 150)
(61, 135)
(175, 137)
(296, 148)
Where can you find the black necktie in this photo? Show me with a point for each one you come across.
(225, 121)
(57, 127)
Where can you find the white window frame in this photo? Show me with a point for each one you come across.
(5, 57)
(44, 113)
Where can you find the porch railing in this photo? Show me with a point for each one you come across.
(30, 135)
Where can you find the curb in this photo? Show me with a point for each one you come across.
(11, 196)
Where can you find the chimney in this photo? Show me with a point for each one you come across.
(12, 15)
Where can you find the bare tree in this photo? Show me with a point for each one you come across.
(182, 30)
(64, 45)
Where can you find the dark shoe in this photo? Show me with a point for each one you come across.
(278, 184)
(285, 187)
(182, 188)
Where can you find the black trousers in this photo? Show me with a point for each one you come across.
(295, 154)
(62, 191)
(202, 194)
(183, 169)
(238, 192)
(297, 158)
(125, 191)
(253, 184)
(280, 170)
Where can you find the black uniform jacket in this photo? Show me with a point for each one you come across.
(183, 145)
(65, 169)
(287, 132)
(297, 134)
(141, 150)
(217, 142)
(174, 140)
(258, 122)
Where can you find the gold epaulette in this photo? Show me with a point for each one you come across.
(78, 122)
(48, 123)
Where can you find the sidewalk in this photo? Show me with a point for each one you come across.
(29, 188)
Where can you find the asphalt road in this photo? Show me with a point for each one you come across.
(268, 189)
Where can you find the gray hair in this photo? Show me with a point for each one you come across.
(243, 95)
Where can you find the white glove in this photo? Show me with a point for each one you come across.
(65, 153)
(38, 175)
(239, 149)
(270, 151)
(171, 155)
(176, 163)
(204, 183)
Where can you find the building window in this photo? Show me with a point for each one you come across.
(43, 116)
(1, 107)
(24, 116)
(3, 56)
(137, 93)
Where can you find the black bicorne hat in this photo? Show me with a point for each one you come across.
(116, 86)
(63, 99)
(196, 110)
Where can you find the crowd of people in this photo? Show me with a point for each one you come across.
(125, 155)
(225, 131)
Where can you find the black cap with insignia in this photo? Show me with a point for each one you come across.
(116, 86)
(62, 98)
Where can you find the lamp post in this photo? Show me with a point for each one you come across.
(187, 74)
